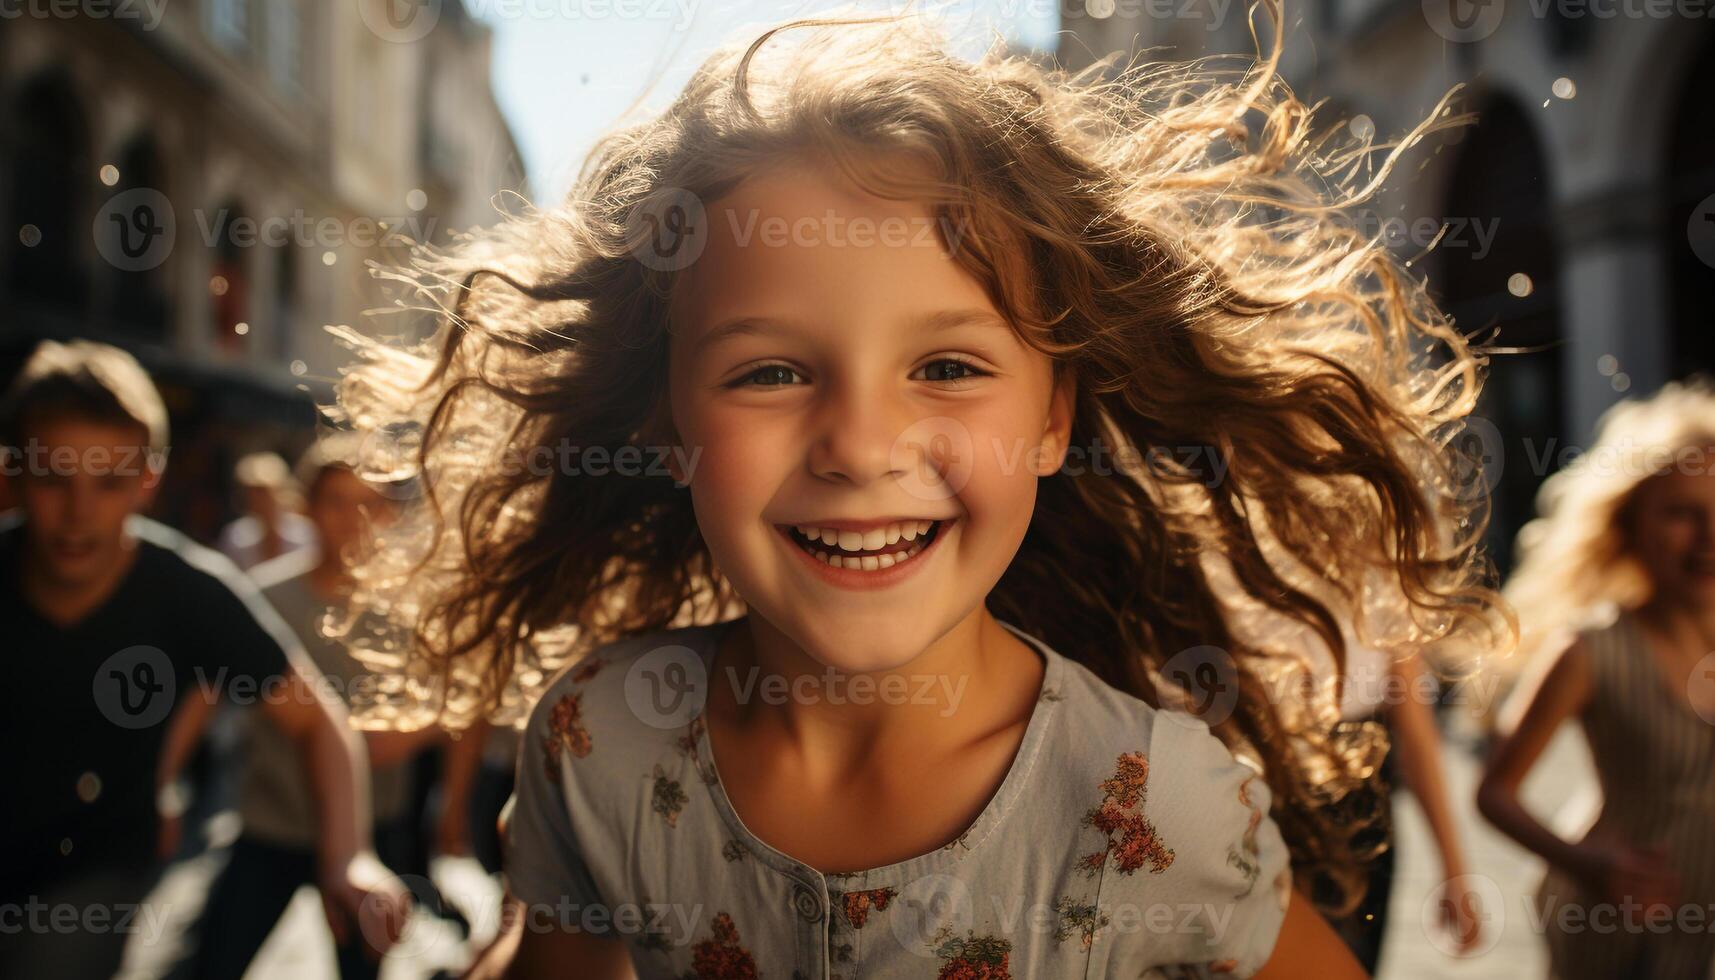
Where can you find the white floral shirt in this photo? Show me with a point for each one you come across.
(1125, 841)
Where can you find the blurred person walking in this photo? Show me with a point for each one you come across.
(116, 622)
(272, 525)
(275, 854)
(1395, 692)
(1616, 601)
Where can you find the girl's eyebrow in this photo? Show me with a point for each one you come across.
(939, 320)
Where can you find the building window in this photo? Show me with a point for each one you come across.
(285, 53)
(46, 174)
(228, 23)
(229, 289)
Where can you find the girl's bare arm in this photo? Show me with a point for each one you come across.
(1309, 947)
(1420, 764)
(1561, 694)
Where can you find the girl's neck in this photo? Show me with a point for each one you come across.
(976, 679)
(1684, 622)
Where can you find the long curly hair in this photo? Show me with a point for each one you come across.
(1176, 237)
(1577, 567)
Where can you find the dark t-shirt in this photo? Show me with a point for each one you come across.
(84, 710)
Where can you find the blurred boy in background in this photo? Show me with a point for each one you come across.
(112, 622)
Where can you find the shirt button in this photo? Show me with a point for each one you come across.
(807, 902)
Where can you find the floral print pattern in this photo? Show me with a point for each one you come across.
(566, 732)
(668, 799)
(856, 906)
(1132, 839)
(689, 744)
(972, 957)
(1083, 919)
(1244, 855)
(721, 957)
(586, 670)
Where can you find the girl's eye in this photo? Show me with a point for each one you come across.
(952, 369)
(772, 375)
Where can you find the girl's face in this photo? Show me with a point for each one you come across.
(1673, 534)
(834, 370)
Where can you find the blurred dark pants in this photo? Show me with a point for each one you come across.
(487, 798)
(77, 928)
(245, 904)
(1364, 929)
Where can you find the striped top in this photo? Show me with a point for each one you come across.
(1655, 761)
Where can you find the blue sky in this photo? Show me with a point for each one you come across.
(564, 74)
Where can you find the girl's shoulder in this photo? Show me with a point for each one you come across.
(1178, 827)
(624, 702)
(1181, 753)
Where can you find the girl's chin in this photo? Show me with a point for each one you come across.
(859, 647)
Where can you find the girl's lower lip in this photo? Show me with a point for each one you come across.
(859, 580)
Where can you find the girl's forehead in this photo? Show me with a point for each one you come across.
(796, 244)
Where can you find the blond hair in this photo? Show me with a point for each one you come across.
(1576, 568)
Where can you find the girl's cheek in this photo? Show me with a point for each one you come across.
(734, 453)
(1003, 482)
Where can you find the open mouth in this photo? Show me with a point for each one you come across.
(865, 551)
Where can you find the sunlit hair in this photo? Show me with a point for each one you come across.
(1172, 237)
(1576, 566)
(87, 381)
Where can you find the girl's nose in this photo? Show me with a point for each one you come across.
(855, 434)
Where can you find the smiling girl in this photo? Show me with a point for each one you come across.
(818, 472)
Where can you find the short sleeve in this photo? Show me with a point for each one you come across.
(1231, 859)
(238, 636)
(544, 864)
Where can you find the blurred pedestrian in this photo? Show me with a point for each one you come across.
(1616, 602)
(114, 622)
(272, 524)
(275, 853)
(1394, 692)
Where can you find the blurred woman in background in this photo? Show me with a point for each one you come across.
(1615, 594)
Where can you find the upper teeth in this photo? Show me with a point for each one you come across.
(870, 540)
